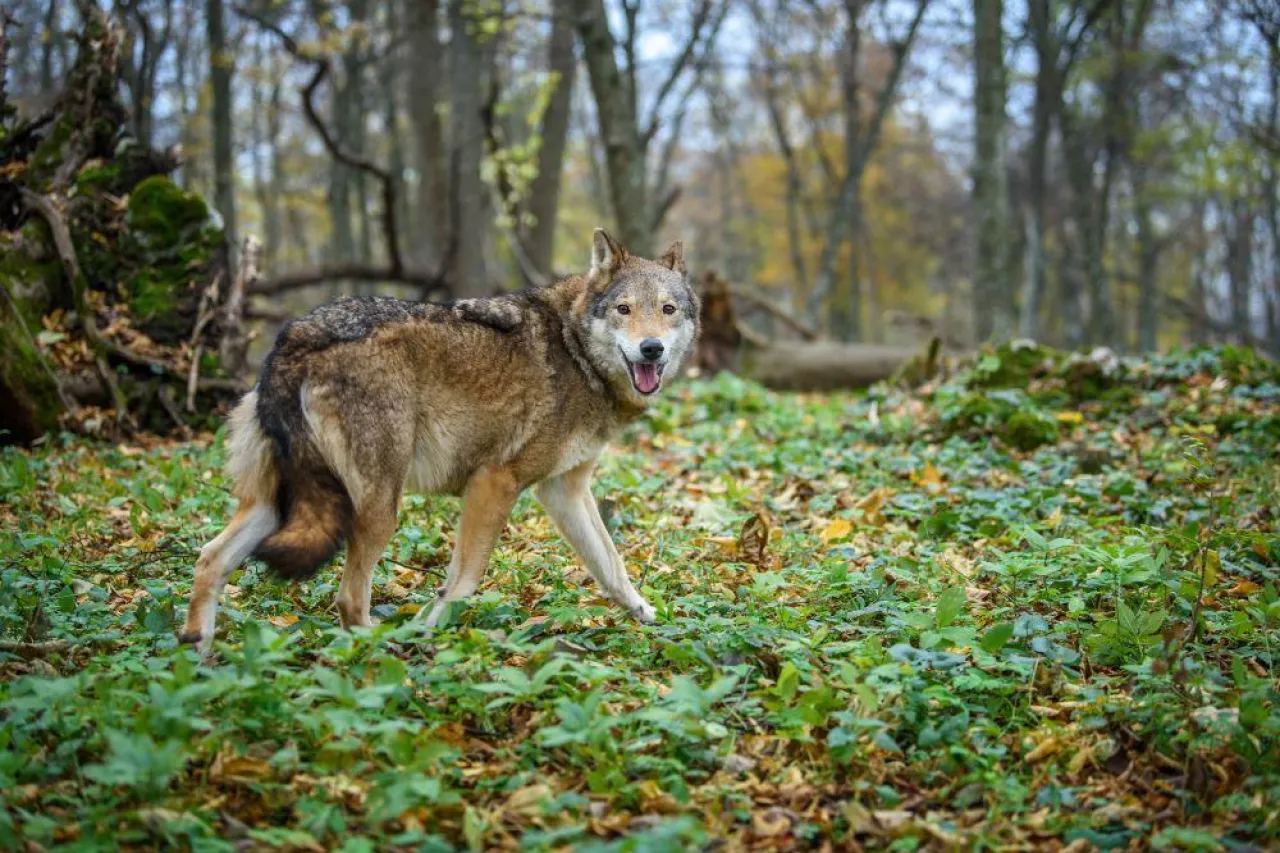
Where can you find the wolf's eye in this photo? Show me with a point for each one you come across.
(668, 309)
(624, 309)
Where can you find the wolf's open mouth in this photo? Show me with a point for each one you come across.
(645, 375)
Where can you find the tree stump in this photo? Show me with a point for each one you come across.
(113, 279)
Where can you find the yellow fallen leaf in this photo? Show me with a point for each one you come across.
(1047, 747)
(1069, 417)
(929, 477)
(239, 768)
(528, 800)
(837, 529)
(870, 506)
(284, 620)
(1244, 588)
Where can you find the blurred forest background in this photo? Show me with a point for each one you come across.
(1081, 172)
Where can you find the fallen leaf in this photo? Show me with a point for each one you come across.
(753, 541)
(771, 823)
(837, 529)
(929, 478)
(1046, 748)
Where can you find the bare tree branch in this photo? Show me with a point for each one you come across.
(323, 68)
(431, 283)
(700, 17)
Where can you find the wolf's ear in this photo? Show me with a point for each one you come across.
(606, 254)
(673, 257)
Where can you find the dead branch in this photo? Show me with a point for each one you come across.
(271, 315)
(207, 300)
(235, 342)
(31, 651)
(759, 301)
(431, 283)
(323, 68)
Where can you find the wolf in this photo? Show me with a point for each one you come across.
(366, 397)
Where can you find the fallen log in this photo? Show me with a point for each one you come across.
(808, 364)
(822, 365)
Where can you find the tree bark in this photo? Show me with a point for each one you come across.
(221, 67)
(1148, 264)
(624, 149)
(1040, 26)
(431, 208)
(470, 70)
(544, 192)
(992, 289)
(1239, 228)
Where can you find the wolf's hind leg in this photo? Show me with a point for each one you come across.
(252, 523)
(486, 504)
(375, 524)
(568, 500)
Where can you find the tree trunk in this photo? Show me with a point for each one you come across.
(1271, 186)
(389, 92)
(431, 204)
(544, 193)
(273, 229)
(221, 65)
(1148, 263)
(624, 149)
(1085, 263)
(1039, 24)
(992, 290)
(1239, 229)
(470, 71)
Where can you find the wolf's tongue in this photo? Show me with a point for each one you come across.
(646, 376)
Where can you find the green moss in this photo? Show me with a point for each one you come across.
(152, 296)
(49, 154)
(162, 214)
(97, 177)
(31, 404)
(1028, 429)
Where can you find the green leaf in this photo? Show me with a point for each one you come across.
(950, 605)
(995, 639)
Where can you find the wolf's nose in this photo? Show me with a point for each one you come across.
(651, 348)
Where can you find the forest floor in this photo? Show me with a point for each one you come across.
(994, 612)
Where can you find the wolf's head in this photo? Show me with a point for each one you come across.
(640, 317)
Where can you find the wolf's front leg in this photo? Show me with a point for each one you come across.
(486, 504)
(569, 502)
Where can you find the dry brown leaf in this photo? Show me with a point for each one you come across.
(753, 541)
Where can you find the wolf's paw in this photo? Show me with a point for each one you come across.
(644, 613)
(190, 638)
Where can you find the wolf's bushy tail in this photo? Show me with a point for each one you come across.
(314, 509)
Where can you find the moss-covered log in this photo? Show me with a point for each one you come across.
(114, 278)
